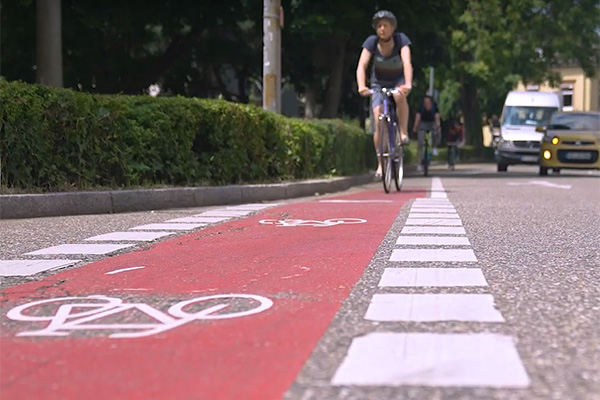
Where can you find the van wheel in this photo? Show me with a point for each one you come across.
(543, 171)
(502, 167)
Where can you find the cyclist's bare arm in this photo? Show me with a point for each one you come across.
(361, 72)
(408, 69)
(417, 122)
(438, 123)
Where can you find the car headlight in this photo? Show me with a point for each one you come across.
(551, 139)
(505, 143)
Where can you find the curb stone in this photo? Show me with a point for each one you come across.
(120, 201)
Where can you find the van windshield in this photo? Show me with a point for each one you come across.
(534, 116)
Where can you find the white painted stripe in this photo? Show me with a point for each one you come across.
(356, 201)
(432, 201)
(81, 249)
(167, 227)
(224, 213)
(251, 207)
(433, 209)
(123, 270)
(433, 255)
(432, 277)
(433, 307)
(415, 214)
(434, 222)
(433, 240)
(32, 267)
(439, 195)
(425, 206)
(442, 230)
(432, 360)
(131, 236)
(199, 220)
(204, 220)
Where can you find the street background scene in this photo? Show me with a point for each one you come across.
(189, 207)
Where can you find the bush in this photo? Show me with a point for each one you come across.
(56, 139)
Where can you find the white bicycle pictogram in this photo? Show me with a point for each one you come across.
(312, 222)
(84, 313)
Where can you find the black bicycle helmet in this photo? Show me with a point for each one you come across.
(384, 14)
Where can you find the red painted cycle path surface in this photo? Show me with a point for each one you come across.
(306, 271)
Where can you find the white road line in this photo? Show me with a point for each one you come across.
(445, 209)
(433, 307)
(540, 183)
(415, 214)
(433, 240)
(123, 270)
(92, 249)
(442, 230)
(433, 255)
(32, 267)
(252, 207)
(200, 220)
(224, 213)
(167, 227)
(130, 236)
(432, 277)
(434, 222)
(434, 360)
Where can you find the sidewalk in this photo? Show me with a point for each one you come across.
(119, 201)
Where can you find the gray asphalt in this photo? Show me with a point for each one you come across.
(538, 247)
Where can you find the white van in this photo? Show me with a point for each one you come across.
(524, 111)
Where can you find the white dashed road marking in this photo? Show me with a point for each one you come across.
(433, 222)
(199, 220)
(433, 240)
(440, 230)
(224, 213)
(167, 227)
(431, 359)
(433, 255)
(32, 267)
(433, 307)
(432, 277)
(81, 249)
(130, 236)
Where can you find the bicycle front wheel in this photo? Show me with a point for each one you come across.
(386, 165)
(398, 165)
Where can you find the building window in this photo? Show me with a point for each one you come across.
(566, 90)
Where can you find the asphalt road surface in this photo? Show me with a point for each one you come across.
(469, 284)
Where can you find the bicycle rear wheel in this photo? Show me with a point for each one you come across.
(398, 167)
(386, 165)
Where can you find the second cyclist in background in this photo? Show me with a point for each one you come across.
(427, 119)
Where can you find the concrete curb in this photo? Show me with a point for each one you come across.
(119, 201)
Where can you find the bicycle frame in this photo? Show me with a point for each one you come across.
(390, 119)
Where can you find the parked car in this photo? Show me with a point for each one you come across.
(571, 140)
(519, 142)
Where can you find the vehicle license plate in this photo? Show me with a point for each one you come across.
(578, 155)
(529, 159)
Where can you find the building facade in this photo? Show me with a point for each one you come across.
(578, 92)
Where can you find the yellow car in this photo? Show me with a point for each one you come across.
(571, 140)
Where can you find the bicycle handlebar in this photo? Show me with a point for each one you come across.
(386, 91)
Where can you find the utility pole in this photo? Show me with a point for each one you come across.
(272, 55)
(49, 42)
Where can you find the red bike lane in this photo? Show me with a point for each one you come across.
(294, 279)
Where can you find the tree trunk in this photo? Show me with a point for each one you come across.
(472, 114)
(49, 43)
(333, 95)
(310, 109)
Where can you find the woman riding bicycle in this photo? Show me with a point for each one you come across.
(392, 68)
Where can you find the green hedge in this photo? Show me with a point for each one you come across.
(56, 139)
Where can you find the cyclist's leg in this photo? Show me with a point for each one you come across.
(377, 105)
(402, 114)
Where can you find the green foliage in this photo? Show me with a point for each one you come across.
(58, 139)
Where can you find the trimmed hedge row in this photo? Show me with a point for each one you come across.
(56, 139)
